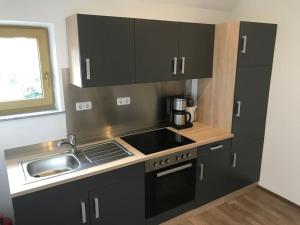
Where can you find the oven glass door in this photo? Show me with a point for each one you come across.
(170, 187)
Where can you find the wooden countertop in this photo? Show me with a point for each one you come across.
(201, 133)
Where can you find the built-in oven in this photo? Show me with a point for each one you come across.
(170, 183)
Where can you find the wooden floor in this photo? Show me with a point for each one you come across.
(257, 207)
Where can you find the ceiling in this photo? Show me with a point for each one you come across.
(224, 5)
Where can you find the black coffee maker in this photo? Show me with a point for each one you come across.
(178, 117)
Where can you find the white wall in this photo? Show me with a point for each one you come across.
(34, 130)
(281, 157)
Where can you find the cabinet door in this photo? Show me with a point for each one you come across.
(245, 163)
(62, 205)
(251, 102)
(212, 180)
(257, 42)
(118, 203)
(196, 46)
(108, 44)
(156, 44)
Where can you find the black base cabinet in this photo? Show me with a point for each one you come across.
(245, 163)
(212, 174)
(115, 197)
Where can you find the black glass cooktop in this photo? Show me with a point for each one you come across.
(156, 140)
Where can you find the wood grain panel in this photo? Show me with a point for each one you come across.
(73, 48)
(216, 95)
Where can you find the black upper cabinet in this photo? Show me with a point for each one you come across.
(105, 50)
(168, 51)
(257, 42)
(196, 47)
(156, 45)
(251, 102)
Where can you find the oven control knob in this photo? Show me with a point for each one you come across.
(189, 155)
(155, 164)
(183, 156)
(167, 161)
(162, 162)
(178, 157)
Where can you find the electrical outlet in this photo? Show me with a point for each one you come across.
(123, 101)
(81, 106)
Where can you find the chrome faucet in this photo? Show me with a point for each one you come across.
(70, 140)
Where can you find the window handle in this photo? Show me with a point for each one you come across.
(88, 68)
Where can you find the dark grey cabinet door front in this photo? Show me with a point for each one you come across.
(251, 102)
(63, 205)
(257, 42)
(196, 47)
(156, 44)
(118, 203)
(212, 178)
(108, 44)
(245, 163)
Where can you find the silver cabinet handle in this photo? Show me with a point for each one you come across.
(174, 65)
(97, 208)
(244, 50)
(216, 147)
(201, 171)
(239, 104)
(83, 212)
(88, 68)
(234, 160)
(182, 65)
(163, 173)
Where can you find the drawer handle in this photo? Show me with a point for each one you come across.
(97, 214)
(83, 212)
(216, 147)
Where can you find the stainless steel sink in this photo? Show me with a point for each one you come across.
(87, 156)
(50, 166)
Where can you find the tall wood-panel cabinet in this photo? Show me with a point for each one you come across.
(236, 99)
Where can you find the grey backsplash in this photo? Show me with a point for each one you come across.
(106, 119)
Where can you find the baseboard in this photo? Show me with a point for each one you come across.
(210, 205)
(278, 196)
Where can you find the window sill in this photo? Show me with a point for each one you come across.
(29, 115)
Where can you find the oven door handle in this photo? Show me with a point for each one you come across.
(176, 169)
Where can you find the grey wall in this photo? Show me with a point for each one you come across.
(107, 119)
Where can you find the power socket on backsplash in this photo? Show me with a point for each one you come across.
(123, 101)
(81, 106)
